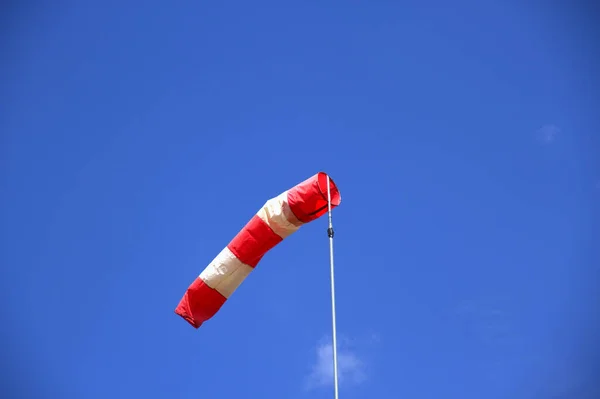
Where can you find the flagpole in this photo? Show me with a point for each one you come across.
(333, 317)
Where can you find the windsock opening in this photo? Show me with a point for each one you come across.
(308, 200)
(336, 197)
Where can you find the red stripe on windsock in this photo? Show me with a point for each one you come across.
(199, 303)
(252, 242)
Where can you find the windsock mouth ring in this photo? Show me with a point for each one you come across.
(336, 197)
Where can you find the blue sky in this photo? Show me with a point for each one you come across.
(139, 138)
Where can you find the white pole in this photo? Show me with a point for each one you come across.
(333, 322)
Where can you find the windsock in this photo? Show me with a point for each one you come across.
(278, 218)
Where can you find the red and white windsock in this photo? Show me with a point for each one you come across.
(277, 219)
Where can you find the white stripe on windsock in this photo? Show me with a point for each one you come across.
(276, 213)
(225, 273)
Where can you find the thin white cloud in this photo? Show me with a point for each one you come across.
(548, 133)
(351, 369)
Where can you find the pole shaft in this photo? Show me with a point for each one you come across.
(333, 316)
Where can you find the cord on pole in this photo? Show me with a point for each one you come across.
(333, 317)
